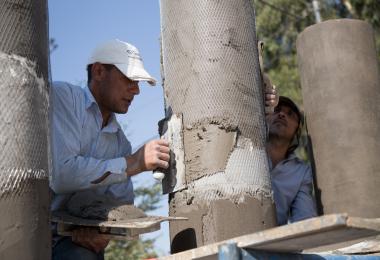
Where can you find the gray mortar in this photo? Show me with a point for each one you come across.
(91, 206)
(202, 141)
(204, 224)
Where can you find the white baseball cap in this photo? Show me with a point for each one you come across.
(125, 57)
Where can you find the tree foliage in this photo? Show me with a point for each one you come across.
(279, 22)
(146, 199)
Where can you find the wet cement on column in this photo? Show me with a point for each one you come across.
(212, 81)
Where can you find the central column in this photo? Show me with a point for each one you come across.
(212, 86)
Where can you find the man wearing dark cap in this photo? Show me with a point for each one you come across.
(91, 154)
(291, 177)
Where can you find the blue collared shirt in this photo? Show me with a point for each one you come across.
(82, 151)
(292, 189)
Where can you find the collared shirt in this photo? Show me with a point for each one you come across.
(83, 151)
(292, 190)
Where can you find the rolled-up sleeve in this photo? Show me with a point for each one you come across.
(71, 170)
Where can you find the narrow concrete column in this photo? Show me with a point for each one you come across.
(212, 82)
(341, 91)
(24, 190)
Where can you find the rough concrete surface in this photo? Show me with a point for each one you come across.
(340, 83)
(218, 220)
(97, 207)
(202, 142)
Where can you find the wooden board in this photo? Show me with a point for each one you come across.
(125, 229)
(295, 237)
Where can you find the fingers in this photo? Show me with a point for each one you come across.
(162, 149)
(90, 239)
(162, 142)
(154, 154)
(159, 156)
(162, 164)
(271, 97)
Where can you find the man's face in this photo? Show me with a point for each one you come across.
(117, 91)
(283, 123)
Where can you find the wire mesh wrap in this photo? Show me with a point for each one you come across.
(211, 63)
(212, 78)
(24, 190)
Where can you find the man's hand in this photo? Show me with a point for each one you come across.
(153, 155)
(90, 239)
(271, 96)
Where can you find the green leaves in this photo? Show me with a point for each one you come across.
(279, 22)
(147, 199)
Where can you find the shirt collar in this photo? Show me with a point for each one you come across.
(291, 156)
(89, 97)
(113, 126)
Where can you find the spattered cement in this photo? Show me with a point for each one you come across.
(203, 140)
(88, 205)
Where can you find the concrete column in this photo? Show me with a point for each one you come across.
(341, 91)
(24, 192)
(212, 82)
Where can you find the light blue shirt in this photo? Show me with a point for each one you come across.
(82, 151)
(292, 189)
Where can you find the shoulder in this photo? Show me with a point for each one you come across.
(66, 91)
(305, 170)
(66, 97)
(300, 167)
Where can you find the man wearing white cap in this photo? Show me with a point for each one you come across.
(90, 151)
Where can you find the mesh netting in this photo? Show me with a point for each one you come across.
(211, 65)
(212, 75)
(24, 194)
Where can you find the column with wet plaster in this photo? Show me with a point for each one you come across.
(24, 178)
(216, 124)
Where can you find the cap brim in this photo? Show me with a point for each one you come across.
(136, 72)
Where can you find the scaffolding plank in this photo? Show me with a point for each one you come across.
(122, 229)
(292, 238)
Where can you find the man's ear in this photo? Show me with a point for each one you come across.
(98, 71)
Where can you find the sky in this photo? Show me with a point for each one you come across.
(77, 28)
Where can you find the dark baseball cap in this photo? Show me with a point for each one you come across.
(285, 101)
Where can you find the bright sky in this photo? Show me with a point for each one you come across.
(78, 27)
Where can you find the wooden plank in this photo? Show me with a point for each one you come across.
(295, 237)
(367, 246)
(123, 229)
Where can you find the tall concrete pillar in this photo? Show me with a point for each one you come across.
(212, 85)
(24, 193)
(341, 91)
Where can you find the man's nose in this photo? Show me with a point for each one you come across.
(134, 88)
(281, 114)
